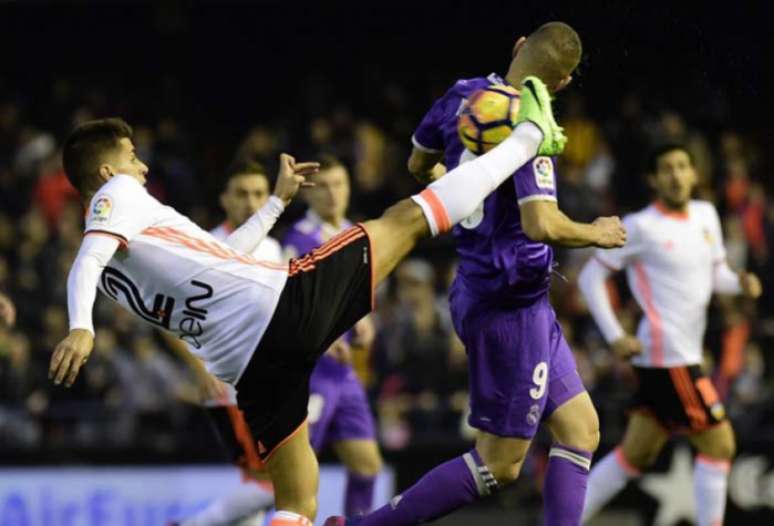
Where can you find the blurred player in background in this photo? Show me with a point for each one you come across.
(258, 325)
(339, 414)
(7, 311)
(674, 260)
(247, 190)
(521, 369)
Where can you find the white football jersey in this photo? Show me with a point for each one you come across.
(268, 249)
(669, 259)
(176, 276)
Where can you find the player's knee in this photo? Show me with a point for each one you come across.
(641, 457)
(581, 433)
(505, 472)
(722, 448)
(369, 466)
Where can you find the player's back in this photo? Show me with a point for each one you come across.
(498, 262)
(178, 277)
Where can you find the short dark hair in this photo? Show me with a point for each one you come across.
(242, 167)
(662, 149)
(328, 161)
(85, 146)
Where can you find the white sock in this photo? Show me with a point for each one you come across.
(457, 194)
(710, 479)
(248, 499)
(288, 518)
(607, 478)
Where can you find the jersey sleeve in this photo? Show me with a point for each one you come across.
(715, 236)
(618, 258)
(121, 209)
(536, 180)
(428, 137)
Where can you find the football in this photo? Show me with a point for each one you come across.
(488, 117)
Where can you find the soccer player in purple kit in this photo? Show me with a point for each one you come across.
(339, 414)
(522, 371)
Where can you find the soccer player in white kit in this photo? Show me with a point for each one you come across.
(258, 325)
(247, 192)
(674, 260)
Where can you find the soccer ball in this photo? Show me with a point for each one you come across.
(488, 117)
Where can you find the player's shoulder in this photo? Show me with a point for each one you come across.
(464, 87)
(639, 219)
(702, 209)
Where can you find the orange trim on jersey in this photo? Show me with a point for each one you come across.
(684, 387)
(656, 327)
(121, 239)
(440, 215)
(307, 263)
(627, 466)
(372, 264)
(215, 249)
(719, 463)
(244, 437)
(680, 215)
(284, 441)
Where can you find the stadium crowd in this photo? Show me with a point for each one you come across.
(136, 393)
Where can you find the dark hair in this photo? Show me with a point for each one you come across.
(242, 167)
(328, 161)
(86, 145)
(662, 149)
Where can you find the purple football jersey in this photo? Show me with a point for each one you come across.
(304, 236)
(498, 262)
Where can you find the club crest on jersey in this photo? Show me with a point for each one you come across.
(543, 168)
(102, 209)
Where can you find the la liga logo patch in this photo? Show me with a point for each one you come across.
(543, 167)
(102, 209)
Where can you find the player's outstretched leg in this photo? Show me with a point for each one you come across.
(294, 472)
(643, 441)
(457, 194)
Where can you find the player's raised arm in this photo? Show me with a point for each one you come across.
(73, 351)
(428, 144)
(291, 177)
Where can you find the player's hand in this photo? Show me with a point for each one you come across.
(69, 356)
(292, 176)
(751, 285)
(626, 346)
(7, 311)
(611, 232)
(340, 351)
(210, 388)
(436, 172)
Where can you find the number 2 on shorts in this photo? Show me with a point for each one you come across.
(540, 379)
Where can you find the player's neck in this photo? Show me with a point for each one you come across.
(515, 76)
(671, 209)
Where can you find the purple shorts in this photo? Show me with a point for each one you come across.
(521, 368)
(338, 406)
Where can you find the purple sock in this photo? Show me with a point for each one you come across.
(565, 486)
(441, 491)
(360, 495)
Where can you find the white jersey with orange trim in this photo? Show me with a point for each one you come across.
(268, 249)
(176, 276)
(672, 264)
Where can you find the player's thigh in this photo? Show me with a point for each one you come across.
(394, 234)
(643, 440)
(360, 456)
(503, 456)
(575, 423)
(717, 442)
(294, 473)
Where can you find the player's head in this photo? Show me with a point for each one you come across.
(329, 197)
(672, 175)
(551, 52)
(97, 150)
(246, 191)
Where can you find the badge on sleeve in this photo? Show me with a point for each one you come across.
(543, 168)
(102, 209)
